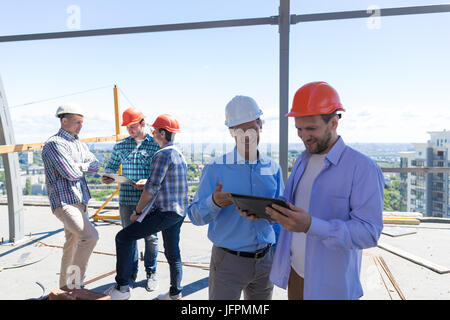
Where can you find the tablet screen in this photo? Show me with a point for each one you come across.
(255, 205)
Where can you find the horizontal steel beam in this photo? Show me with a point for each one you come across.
(418, 170)
(441, 8)
(38, 145)
(273, 20)
(143, 29)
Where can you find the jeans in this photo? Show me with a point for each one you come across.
(169, 223)
(151, 244)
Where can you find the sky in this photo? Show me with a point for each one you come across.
(392, 73)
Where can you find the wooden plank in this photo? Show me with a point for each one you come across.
(377, 265)
(399, 220)
(391, 277)
(398, 231)
(100, 277)
(413, 258)
(77, 294)
(38, 145)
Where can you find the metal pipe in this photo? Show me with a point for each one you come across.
(417, 170)
(284, 25)
(142, 29)
(368, 13)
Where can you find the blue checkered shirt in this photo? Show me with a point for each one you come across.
(168, 181)
(63, 155)
(135, 165)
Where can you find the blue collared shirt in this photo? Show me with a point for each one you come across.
(346, 206)
(227, 228)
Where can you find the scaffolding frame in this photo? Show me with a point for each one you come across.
(97, 216)
(284, 19)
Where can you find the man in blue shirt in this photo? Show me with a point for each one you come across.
(242, 250)
(336, 201)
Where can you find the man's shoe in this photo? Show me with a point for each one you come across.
(116, 294)
(167, 296)
(152, 282)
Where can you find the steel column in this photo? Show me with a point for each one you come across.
(12, 175)
(284, 25)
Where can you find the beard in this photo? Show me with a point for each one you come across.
(321, 144)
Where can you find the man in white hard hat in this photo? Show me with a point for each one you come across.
(242, 250)
(66, 160)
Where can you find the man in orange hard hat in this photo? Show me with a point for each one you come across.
(135, 153)
(335, 197)
(161, 207)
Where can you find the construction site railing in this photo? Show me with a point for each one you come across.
(284, 19)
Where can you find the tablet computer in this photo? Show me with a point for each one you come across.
(256, 205)
(118, 178)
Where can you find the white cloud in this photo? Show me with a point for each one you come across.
(392, 124)
(206, 123)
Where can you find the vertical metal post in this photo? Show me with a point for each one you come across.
(117, 110)
(429, 184)
(117, 119)
(97, 216)
(12, 175)
(284, 25)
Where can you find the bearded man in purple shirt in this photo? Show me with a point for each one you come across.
(335, 197)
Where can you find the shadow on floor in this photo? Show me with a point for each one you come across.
(46, 235)
(187, 289)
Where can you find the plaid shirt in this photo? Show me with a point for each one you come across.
(168, 180)
(135, 165)
(63, 154)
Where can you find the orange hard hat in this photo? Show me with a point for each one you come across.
(315, 98)
(132, 116)
(168, 122)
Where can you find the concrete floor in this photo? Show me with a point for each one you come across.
(34, 261)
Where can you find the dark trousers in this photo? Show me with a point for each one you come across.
(169, 223)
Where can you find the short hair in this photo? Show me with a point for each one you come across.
(65, 115)
(169, 136)
(327, 117)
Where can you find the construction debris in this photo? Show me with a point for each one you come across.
(395, 231)
(420, 261)
(389, 274)
(400, 220)
(77, 294)
(399, 217)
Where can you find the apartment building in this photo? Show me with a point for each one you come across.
(428, 193)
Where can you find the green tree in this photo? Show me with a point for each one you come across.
(28, 189)
(392, 197)
(99, 195)
(192, 172)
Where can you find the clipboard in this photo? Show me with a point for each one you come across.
(256, 205)
(118, 178)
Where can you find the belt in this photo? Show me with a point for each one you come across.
(258, 254)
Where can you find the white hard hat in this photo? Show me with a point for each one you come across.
(72, 108)
(241, 109)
